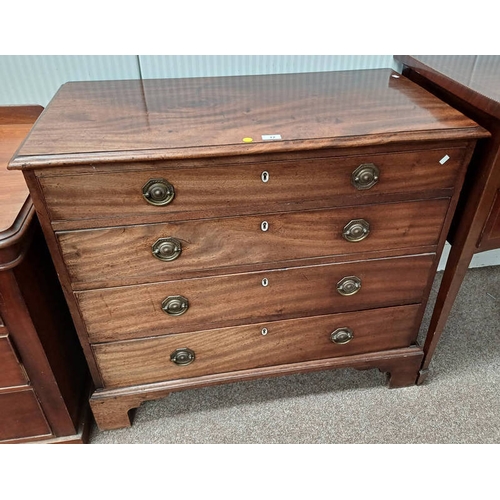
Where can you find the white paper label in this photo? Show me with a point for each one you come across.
(444, 159)
(273, 137)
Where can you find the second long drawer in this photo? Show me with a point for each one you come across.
(203, 303)
(148, 253)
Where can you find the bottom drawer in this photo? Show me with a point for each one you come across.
(21, 416)
(143, 361)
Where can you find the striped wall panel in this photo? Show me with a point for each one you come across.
(186, 66)
(35, 79)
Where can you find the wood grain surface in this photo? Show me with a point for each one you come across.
(123, 255)
(21, 415)
(12, 372)
(491, 231)
(135, 311)
(243, 347)
(239, 189)
(203, 117)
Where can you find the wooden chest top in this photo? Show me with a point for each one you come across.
(134, 120)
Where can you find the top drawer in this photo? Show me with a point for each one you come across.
(207, 191)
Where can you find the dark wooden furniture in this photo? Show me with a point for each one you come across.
(214, 230)
(471, 84)
(44, 381)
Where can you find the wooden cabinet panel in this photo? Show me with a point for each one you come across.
(11, 371)
(43, 374)
(243, 347)
(21, 416)
(490, 237)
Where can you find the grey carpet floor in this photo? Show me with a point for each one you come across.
(459, 402)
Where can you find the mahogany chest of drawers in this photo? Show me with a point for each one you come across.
(213, 230)
(44, 380)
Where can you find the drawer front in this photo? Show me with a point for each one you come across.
(241, 189)
(125, 255)
(244, 347)
(136, 311)
(11, 371)
(21, 416)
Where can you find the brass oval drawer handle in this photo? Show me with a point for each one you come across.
(365, 176)
(182, 357)
(356, 230)
(349, 285)
(342, 335)
(166, 249)
(158, 192)
(175, 305)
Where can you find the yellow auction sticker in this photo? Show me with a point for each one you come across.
(247, 139)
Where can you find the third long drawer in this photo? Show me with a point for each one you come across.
(213, 302)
